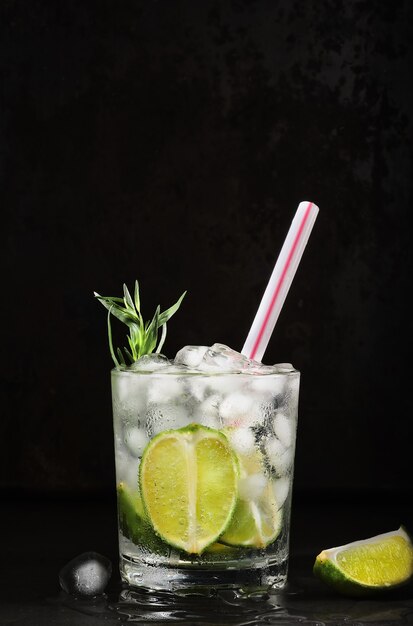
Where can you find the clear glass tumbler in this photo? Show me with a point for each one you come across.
(204, 470)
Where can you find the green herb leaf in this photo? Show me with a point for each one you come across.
(121, 357)
(162, 340)
(137, 298)
(143, 336)
(128, 300)
(166, 315)
(132, 360)
(111, 343)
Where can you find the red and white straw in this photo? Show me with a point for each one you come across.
(280, 281)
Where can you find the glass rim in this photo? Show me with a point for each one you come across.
(291, 372)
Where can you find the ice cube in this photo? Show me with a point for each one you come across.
(293, 385)
(255, 367)
(164, 417)
(261, 412)
(274, 449)
(86, 575)
(263, 384)
(150, 363)
(197, 387)
(191, 356)
(207, 412)
(135, 440)
(280, 458)
(283, 430)
(128, 393)
(209, 420)
(127, 470)
(284, 367)
(222, 358)
(251, 487)
(242, 440)
(236, 407)
(164, 389)
(222, 384)
(281, 488)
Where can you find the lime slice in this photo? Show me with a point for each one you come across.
(257, 519)
(189, 483)
(363, 567)
(134, 523)
(255, 523)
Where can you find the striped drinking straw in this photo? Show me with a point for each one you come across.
(280, 281)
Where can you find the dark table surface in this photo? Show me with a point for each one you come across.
(40, 535)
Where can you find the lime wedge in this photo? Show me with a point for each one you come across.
(189, 482)
(257, 519)
(371, 565)
(134, 523)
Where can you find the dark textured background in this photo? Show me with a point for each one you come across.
(171, 141)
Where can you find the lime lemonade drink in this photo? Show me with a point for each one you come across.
(204, 446)
(204, 464)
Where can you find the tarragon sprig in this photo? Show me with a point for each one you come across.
(143, 336)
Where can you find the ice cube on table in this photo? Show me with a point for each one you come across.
(283, 429)
(86, 575)
(281, 488)
(191, 356)
(135, 440)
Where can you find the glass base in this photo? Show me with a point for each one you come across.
(155, 577)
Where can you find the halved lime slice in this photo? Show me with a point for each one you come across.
(371, 565)
(189, 482)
